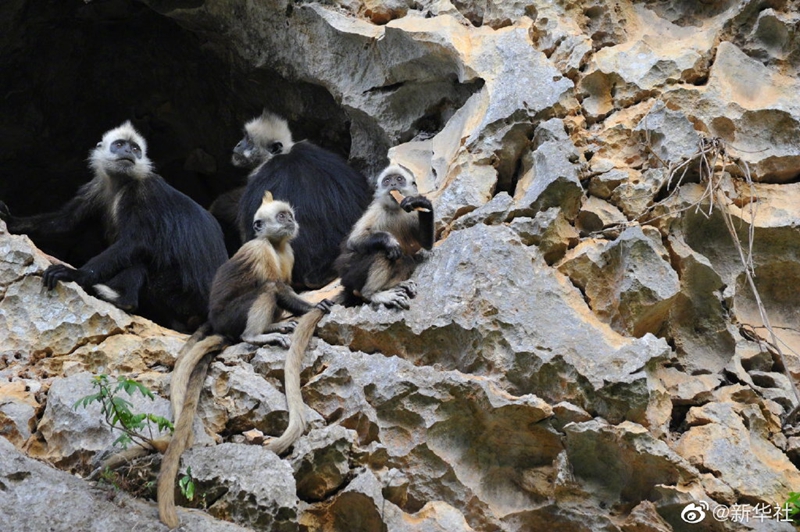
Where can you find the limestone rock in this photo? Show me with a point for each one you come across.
(627, 282)
(454, 324)
(224, 474)
(321, 462)
(73, 504)
(750, 107)
(721, 442)
(596, 215)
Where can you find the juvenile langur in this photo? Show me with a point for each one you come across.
(327, 195)
(248, 294)
(375, 265)
(163, 248)
(381, 252)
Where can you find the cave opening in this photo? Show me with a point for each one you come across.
(73, 70)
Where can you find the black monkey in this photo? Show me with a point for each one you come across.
(327, 195)
(163, 247)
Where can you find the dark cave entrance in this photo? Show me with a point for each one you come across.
(72, 70)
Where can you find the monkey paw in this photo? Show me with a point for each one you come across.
(58, 272)
(394, 252)
(396, 297)
(286, 328)
(325, 305)
(278, 339)
(409, 287)
(410, 203)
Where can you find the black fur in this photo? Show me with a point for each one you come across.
(226, 210)
(328, 197)
(163, 252)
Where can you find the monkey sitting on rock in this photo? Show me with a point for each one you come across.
(248, 295)
(163, 247)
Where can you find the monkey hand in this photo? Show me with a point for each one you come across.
(5, 214)
(287, 327)
(325, 305)
(393, 251)
(58, 272)
(411, 203)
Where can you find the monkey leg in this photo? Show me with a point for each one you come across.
(261, 327)
(123, 289)
(388, 282)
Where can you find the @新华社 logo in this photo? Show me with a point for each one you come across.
(694, 512)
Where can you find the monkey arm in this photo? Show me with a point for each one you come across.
(118, 256)
(53, 224)
(424, 210)
(378, 241)
(289, 300)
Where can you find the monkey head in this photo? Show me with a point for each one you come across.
(394, 177)
(264, 137)
(274, 220)
(122, 152)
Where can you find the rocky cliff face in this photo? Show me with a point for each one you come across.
(614, 186)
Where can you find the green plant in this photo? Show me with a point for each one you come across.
(186, 484)
(792, 507)
(117, 411)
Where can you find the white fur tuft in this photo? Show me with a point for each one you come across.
(269, 128)
(107, 293)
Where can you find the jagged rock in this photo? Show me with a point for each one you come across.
(669, 134)
(645, 518)
(549, 230)
(752, 108)
(720, 441)
(627, 282)
(550, 177)
(494, 212)
(685, 389)
(73, 504)
(654, 54)
(698, 318)
(623, 462)
(224, 474)
(70, 437)
(604, 184)
(18, 407)
(635, 196)
(321, 462)
(453, 323)
(596, 215)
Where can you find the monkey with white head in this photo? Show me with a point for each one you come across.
(163, 248)
(248, 295)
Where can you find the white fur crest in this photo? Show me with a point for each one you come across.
(269, 128)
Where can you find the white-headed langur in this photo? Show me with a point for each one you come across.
(248, 295)
(327, 195)
(163, 248)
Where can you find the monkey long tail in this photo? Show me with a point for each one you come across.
(184, 366)
(291, 377)
(196, 363)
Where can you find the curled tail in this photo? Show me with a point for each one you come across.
(193, 366)
(291, 376)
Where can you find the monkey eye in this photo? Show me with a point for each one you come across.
(119, 143)
(258, 225)
(135, 147)
(284, 216)
(386, 181)
(400, 179)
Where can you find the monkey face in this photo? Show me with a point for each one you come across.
(275, 222)
(122, 152)
(400, 181)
